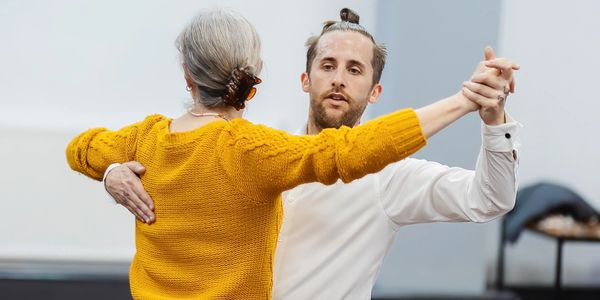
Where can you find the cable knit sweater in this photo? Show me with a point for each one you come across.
(217, 192)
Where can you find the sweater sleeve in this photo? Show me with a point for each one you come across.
(262, 159)
(92, 151)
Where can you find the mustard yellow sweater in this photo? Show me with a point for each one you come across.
(217, 191)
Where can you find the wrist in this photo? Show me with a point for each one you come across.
(463, 103)
(497, 120)
(106, 173)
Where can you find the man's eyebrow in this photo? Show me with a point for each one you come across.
(354, 62)
(329, 59)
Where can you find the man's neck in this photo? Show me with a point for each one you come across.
(312, 128)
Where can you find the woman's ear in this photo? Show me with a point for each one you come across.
(188, 80)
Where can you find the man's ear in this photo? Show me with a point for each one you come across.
(305, 82)
(375, 93)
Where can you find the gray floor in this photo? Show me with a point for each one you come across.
(115, 289)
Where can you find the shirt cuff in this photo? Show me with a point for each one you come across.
(503, 137)
(110, 198)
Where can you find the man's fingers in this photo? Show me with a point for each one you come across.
(488, 53)
(506, 67)
(484, 102)
(137, 212)
(135, 167)
(145, 212)
(134, 212)
(471, 95)
(482, 89)
(140, 192)
(503, 66)
(121, 199)
(141, 199)
(502, 63)
(139, 196)
(489, 80)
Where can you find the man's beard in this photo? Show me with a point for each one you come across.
(348, 118)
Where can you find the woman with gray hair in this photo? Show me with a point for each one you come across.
(216, 179)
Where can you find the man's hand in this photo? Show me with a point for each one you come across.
(124, 185)
(490, 84)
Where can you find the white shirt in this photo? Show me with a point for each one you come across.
(334, 238)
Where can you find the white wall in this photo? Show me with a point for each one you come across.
(50, 213)
(557, 44)
(74, 64)
(68, 65)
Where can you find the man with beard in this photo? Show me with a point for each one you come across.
(334, 238)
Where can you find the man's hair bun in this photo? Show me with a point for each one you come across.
(348, 15)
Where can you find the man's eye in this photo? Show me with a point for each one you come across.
(327, 67)
(355, 71)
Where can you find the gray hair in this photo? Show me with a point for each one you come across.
(211, 46)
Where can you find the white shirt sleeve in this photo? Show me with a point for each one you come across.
(110, 198)
(420, 191)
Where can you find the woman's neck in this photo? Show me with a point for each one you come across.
(226, 112)
(198, 116)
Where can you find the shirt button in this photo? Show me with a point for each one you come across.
(507, 135)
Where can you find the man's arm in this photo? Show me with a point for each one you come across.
(419, 191)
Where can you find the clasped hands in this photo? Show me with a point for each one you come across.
(489, 87)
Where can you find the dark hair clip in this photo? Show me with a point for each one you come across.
(240, 88)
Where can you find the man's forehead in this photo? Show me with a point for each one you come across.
(345, 45)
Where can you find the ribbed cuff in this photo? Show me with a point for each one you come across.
(77, 151)
(405, 131)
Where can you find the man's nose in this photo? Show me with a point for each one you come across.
(338, 79)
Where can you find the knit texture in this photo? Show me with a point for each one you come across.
(217, 193)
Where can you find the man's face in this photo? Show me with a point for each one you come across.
(340, 84)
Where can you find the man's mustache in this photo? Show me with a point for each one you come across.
(336, 94)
